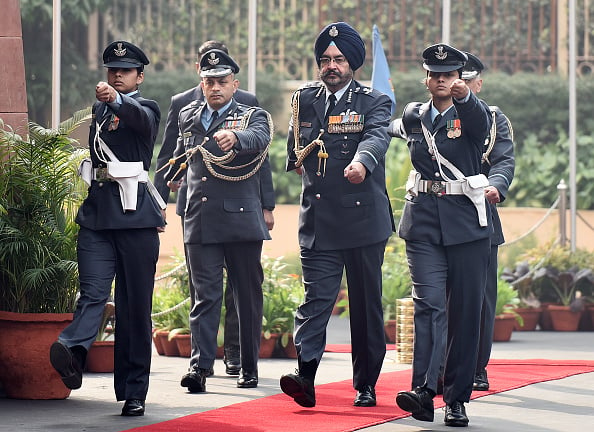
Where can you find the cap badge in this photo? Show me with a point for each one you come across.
(333, 31)
(213, 59)
(440, 54)
(119, 51)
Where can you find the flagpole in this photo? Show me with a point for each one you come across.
(445, 19)
(572, 125)
(56, 56)
(252, 26)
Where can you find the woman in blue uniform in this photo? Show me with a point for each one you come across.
(446, 226)
(118, 238)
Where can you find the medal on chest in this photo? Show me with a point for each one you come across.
(454, 128)
(349, 122)
(114, 122)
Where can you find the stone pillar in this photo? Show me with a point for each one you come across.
(13, 102)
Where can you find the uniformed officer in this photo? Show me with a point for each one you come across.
(178, 101)
(498, 165)
(119, 223)
(446, 226)
(223, 145)
(337, 142)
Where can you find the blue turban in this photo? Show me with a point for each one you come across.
(347, 40)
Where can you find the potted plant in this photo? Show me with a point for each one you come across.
(100, 357)
(562, 280)
(505, 311)
(396, 284)
(39, 196)
(171, 311)
(529, 307)
(282, 294)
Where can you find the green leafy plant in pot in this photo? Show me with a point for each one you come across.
(40, 194)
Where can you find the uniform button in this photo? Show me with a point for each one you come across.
(203, 179)
(437, 175)
(100, 184)
(204, 199)
(358, 203)
(318, 196)
(240, 209)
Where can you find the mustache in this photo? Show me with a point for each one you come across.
(331, 71)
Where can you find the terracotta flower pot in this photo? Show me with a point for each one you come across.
(25, 368)
(503, 328)
(531, 317)
(158, 343)
(100, 357)
(390, 330)
(267, 345)
(169, 346)
(563, 318)
(184, 344)
(290, 350)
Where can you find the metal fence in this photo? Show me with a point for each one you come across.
(509, 35)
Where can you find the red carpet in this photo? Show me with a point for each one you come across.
(334, 411)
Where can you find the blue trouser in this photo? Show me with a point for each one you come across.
(454, 277)
(244, 271)
(322, 275)
(131, 257)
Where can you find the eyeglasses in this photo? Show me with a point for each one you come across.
(338, 61)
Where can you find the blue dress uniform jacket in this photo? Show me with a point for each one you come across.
(217, 210)
(334, 213)
(132, 139)
(499, 166)
(448, 219)
(170, 136)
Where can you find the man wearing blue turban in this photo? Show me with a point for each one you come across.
(337, 142)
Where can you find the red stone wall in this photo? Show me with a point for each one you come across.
(13, 102)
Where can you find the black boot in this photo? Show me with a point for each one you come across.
(232, 360)
(300, 386)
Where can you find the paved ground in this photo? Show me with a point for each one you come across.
(563, 405)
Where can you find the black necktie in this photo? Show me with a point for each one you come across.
(436, 121)
(213, 117)
(331, 104)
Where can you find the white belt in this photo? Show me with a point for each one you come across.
(440, 187)
(100, 174)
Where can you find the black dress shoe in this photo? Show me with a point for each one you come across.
(195, 380)
(419, 402)
(481, 382)
(133, 407)
(67, 365)
(232, 361)
(455, 415)
(300, 389)
(247, 379)
(365, 397)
